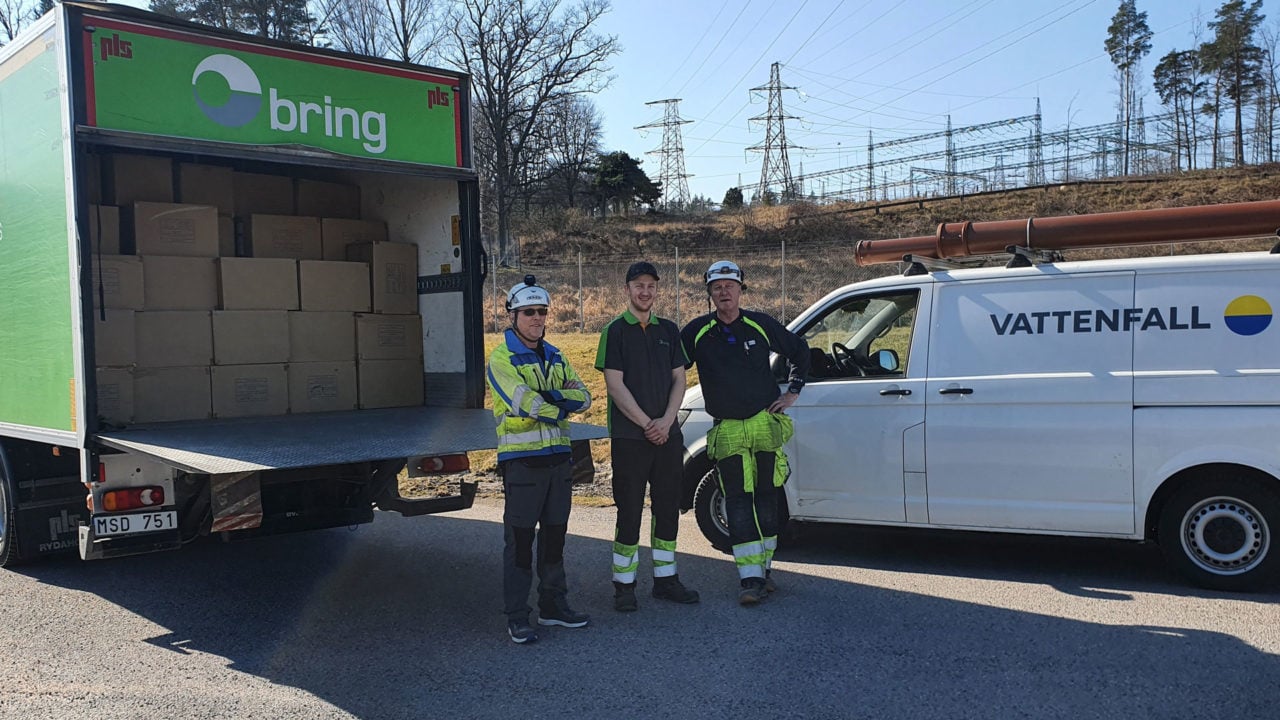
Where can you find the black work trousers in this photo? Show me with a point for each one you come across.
(640, 463)
(752, 516)
(537, 504)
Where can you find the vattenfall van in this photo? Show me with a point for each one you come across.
(1135, 399)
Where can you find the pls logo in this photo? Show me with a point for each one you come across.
(236, 101)
(1247, 315)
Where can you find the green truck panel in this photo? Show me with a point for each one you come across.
(37, 369)
(166, 82)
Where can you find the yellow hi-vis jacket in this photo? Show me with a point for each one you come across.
(532, 396)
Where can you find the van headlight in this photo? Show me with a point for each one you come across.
(681, 415)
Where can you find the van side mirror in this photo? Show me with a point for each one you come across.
(887, 359)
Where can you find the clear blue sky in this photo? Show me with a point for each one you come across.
(896, 67)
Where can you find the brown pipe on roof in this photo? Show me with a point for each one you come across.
(1135, 227)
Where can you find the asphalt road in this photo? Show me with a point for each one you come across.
(400, 619)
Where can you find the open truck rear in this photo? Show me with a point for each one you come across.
(240, 285)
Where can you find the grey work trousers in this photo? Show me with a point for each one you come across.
(538, 500)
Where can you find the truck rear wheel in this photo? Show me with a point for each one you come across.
(1219, 531)
(8, 528)
(708, 508)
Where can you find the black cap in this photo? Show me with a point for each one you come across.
(642, 268)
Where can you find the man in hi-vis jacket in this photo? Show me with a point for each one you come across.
(534, 390)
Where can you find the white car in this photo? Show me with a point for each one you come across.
(1132, 399)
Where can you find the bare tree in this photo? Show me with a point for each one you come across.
(356, 26)
(1270, 96)
(572, 141)
(413, 28)
(14, 16)
(524, 56)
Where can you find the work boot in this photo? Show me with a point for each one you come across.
(521, 631)
(670, 588)
(752, 592)
(564, 616)
(624, 597)
(769, 585)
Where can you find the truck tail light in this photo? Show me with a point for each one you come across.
(445, 463)
(132, 498)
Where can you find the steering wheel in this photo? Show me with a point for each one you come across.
(843, 358)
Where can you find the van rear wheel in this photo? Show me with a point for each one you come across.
(708, 508)
(1219, 531)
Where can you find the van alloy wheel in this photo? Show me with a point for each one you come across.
(1217, 529)
(708, 508)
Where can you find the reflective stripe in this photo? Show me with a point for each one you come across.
(625, 577)
(750, 571)
(771, 543)
(664, 570)
(752, 323)
(625, 561)
(537, 435)
(746, 550)
(703, 331)
(663, 555)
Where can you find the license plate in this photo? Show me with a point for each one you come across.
(109, 525)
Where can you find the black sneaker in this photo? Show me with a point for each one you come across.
(521, 631)
(752, 592)
(670, 588)
(624, 597)
(563, 616)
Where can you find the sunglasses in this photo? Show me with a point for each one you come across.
(530, 312)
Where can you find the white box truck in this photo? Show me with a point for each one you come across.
(1134, 398)
(193, 226)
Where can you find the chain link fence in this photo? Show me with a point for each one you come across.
(587, 291)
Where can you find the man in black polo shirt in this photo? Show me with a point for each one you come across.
(644, 364)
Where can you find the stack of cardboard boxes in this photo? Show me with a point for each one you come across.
(301, 313)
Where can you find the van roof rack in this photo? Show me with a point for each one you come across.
(921, 265)
(1028, 256)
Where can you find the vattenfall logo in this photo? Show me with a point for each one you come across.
(1246, 315)
(243, 104)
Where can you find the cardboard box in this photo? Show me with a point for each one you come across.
(322, 387)
(171, 393)
(174, 229)
(179, 283)
(389, 337)
(284, 236)
(390, 383)
(393, 271)
(128, 179)
(115, 395)
(250, 390)
(207, 185)
(248, 337)
(226, 236)
(329, 199)
(336, 234)
(173, 338)
(329, 285)
(257, 284)
(104, 229)
(114, 339)
(266, 194)
(322, 337)
(118, 281)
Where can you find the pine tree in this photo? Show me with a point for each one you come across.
(1128, 41)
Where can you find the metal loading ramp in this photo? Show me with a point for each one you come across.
(296, 441)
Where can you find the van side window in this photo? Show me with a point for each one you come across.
(862, 336)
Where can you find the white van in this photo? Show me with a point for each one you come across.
(1135, 399)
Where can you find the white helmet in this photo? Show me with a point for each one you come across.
(723, 270)
(527, 293)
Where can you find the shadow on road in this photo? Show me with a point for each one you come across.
(400, 620)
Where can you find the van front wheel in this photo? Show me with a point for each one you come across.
(1219, 531)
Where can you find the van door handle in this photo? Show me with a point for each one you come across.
(896, 391)
(956, 391)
